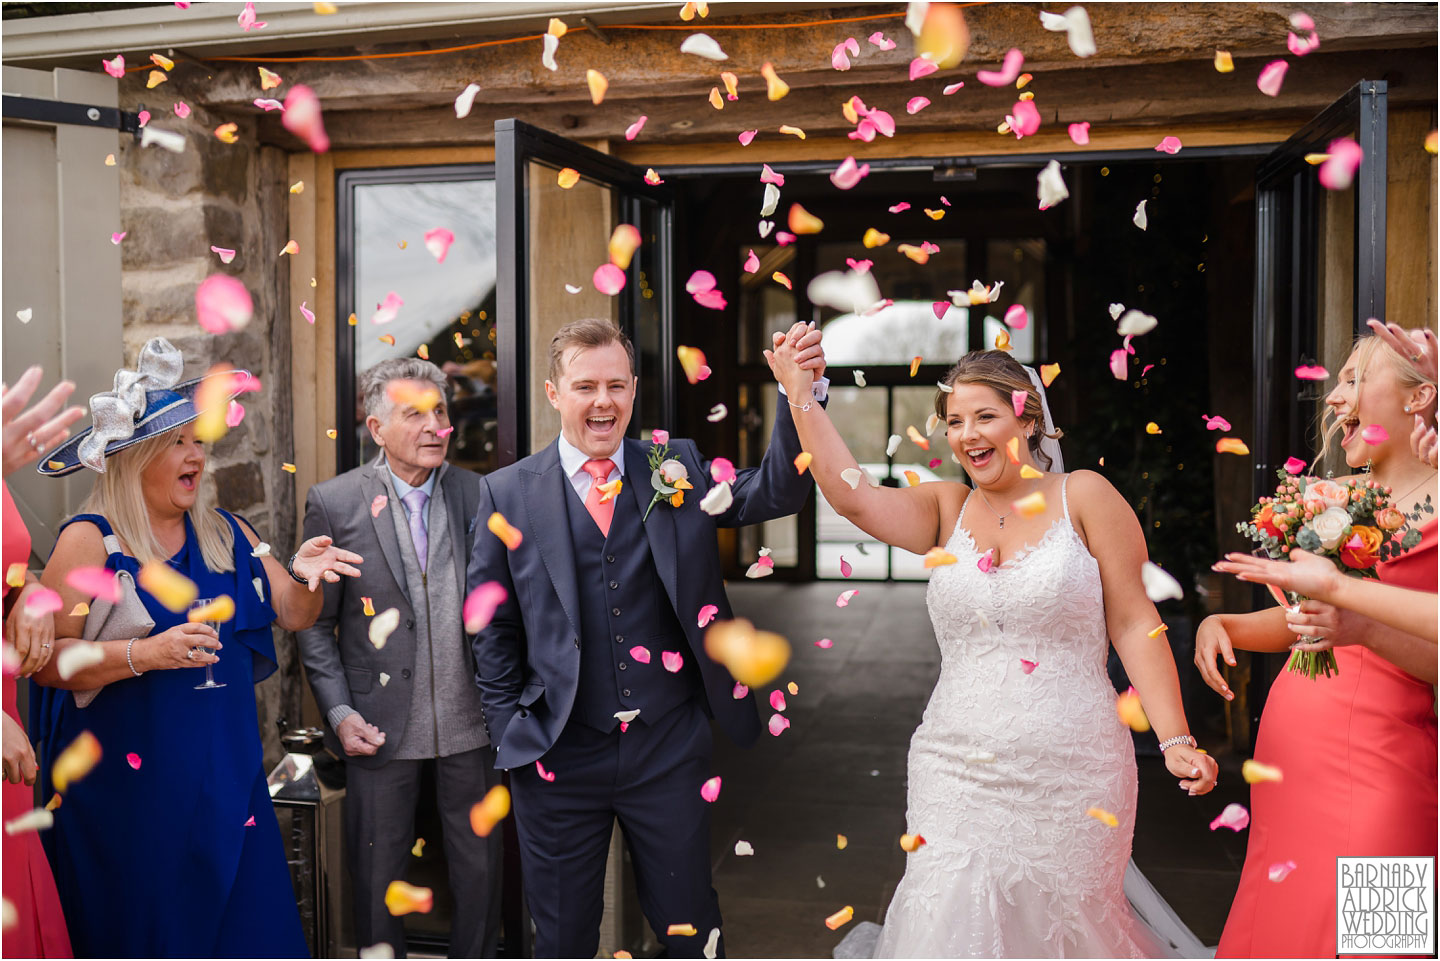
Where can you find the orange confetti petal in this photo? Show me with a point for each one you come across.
(802, 461)
(80, 610)
(610, 489)
(910, 843)
(939, 557)
(353, 321)
(1048, 373)
(1158, 631)
(557, 28)
(162, 61)
(792, 130)
(1030, 473)
(490, 810)
(598, 85)
(1012, 450)
(75, 761)
(15, 575)
(156, 78)
(912, 478)
(290, 248)
(1031, 505)
(944, 38)
(782, 280)
(934, 214)
(368, 606)
(54, 802)
(385, 338)
(732, 89)
(1231, 445)
(915, 365)
(288, 468)
(1153, 428)
(109, 160)
(168, 586)
(418, 848)
(1224, 63)
(754, 658)
(692, 360)
(269, 79)
(1104, 817)
(1254, 772)
(840, 918)
(423, 351)
(567, 178)
(1432, 141)
(332, 433)
(1002, 341)
(221, 609)
(874, 238)
(681, 930)
(918, 254)
(803, 221)
(841, 842)
(850, 111)
(402, 898)
(404, 393)
(624, 241)
(716, 101)
(298, 187)
(227, 132)
(501, 528)
(917, 438)
(1128, 708)
(775, 88)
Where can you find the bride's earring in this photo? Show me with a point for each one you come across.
(1407, 408)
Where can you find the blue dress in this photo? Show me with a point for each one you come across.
(181, 855)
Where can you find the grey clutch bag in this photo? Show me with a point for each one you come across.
(120, 621)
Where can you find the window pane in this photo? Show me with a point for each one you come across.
(912, 407)
(448, 308)
(860, 416)
(1021, 265)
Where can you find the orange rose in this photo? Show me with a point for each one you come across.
(1265, 520)
(1360, 551)
(1390, 519)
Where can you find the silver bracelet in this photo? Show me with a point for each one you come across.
(127, 657)
(808, 404)
(1170, 742)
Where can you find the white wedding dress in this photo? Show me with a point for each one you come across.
(1004, 767)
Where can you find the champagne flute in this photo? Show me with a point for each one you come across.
(210, 681)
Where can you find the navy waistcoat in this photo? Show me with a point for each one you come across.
(623, 605)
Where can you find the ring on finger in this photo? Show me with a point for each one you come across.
(190, 654)
(35, 442)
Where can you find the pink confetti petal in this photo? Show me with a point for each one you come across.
(378, 504)
(1294, 465)
(234, 414)
(824, 643)
(641, 654)
(268, 104)
(222, 304)
(777, 700)
(848, 174)
(143, 117)
(1311, 372)
(1028, 667)
(844, 599)
(608, 279)
(673, 661)
(115, 67)
(752, 263)
(987, 561)
(225, 253)
(778, 723)
(884, 123)
(706, 615)
(1009, 70)
(860, 266)
(1280, 870)
(1146, 369)
(934, 463)
(722, 470)
(388, 309)
(133, 760)
(784, 237)
(250, 821)
(740, 691)
(838, 60)
(247, 19)
(713, 299)
(1017, 401)
(922, 67)
(1301, 20)
(951, 88)
(445, 431)
(916, 104)
(1234, 817)
(1300, 46)
(940, 308)
(1170, 145)
(481, 604)
(1117, 363)
(900, 207)
(306, 312)
(700, 280)
(544, 774)
(1025, 120)
(746, 136)
(710, 790)
(1017, 318)
(302, 118)
(878, 39)
(845, 569)
(1079, 132)
(96, 582)
(1338, 171)
(116, 238)
(1374, 434)
(1271, 77)
(633, 131)
(182, 110)
(438, 241)
(1216, 423)
(768, 176)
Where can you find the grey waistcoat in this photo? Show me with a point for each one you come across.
(445, 712)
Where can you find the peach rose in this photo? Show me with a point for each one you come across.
(1390, 519)
(1328, 492)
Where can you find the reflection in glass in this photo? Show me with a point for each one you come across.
(448, 312)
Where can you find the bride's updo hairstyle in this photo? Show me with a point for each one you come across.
(1003, 374)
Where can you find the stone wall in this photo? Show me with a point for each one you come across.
(174, 207)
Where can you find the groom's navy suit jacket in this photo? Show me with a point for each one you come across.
(528, 659)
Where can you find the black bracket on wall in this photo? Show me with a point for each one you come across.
(78, 114)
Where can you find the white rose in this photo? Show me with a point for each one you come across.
(1331, 526)
(672, 470)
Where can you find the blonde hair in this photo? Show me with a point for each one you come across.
(1367, 350)
(118, 497)
(1003, 374)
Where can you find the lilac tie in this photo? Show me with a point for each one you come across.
(415, 502)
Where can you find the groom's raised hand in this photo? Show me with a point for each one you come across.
(805, 338)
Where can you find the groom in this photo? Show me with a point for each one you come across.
(593, 673)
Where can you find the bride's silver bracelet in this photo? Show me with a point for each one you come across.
(1170, 742)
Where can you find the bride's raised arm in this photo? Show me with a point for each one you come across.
(908, 518)
(1112, 533)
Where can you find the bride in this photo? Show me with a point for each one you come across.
(1021, 775)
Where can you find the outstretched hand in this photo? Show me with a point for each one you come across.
(1304, 573)
(29, 434)
(320, 560)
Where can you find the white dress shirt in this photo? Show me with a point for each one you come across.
(572, 461)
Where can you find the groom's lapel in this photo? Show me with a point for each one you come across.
(544, 490)
(660, 526)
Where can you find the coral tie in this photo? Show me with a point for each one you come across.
(599, 471)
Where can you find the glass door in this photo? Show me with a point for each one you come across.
(557, 204)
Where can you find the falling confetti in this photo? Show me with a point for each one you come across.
(598, 85)
(754, 658)
(171, 588)
(1234, 817)
(1254, 772)
(1104, 817)
(840, 918)
(910, 843)
(481, 604)
(710, 790)
(402, 899)
(490, 810)
(76, 761)
(1231, 445)
(1130, 711)
(382, 625)
(502, 529)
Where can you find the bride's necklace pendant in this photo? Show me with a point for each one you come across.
(1002, 521)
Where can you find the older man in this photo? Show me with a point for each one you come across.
(410, 699)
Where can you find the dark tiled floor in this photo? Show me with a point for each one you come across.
(840, 769)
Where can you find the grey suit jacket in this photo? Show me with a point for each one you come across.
(342, 666)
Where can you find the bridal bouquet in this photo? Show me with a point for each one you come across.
(1351, 523)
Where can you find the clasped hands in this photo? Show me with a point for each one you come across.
(797, 359)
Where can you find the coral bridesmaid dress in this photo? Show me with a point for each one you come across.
(1358, 754)
(39, 930)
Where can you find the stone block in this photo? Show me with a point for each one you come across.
(240, 486)
(155, 168)
(227, 170)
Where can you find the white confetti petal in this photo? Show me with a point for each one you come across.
(625, 717)
(571, 288)
(36, 820)
(718, 500)
(915, 15)
(772, 200)
(717, 413)
(1141, 219)
(1159, 585)
(765, 227)
(166, 139)
(382, 625)
(744, 849)
(551, 43)
(703, 45)
(1116, 310)
(1075, 23)
(262, 549)
(931, 423)
(859, 377)
(24, 315)
(712, 944)
(819, 881)
(382, 951)
(892, 445)
(1135, 323)
(77, 657)
(849, 291)
(384, 678)
(852, 476)
(1052, 187)
(466, 100)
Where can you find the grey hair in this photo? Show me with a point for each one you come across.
(374, 381)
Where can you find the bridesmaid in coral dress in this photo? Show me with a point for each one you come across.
(1358, 749)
